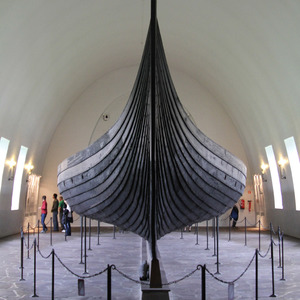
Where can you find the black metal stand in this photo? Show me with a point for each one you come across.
(90, 236)
(34, 270)
(272, 264)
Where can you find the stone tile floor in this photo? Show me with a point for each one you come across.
(180, 255)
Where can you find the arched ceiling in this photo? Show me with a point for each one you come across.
(245, 53)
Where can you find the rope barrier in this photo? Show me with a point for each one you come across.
(184, 277)
(79, 276)
(263, 256)
(240, 276)
(128, 277)
(39, 251)
(146, 283)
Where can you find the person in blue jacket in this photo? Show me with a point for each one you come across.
(234, 215)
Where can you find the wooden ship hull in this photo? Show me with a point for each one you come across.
(183, 179)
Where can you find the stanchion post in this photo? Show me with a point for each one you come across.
(28, 241)
(256, 274)
(81, 239)
(90, 225)
(51, 231)
(218, 263)
(85, 256)
(259, 224)
(271, 236)
(98, 233)
(197, 234)
(108, 282)
(207, 248)
(214, 234)
(38, 242)
(53, 257)
(114, 233)
(282, 257)
(272, 264)
(22, 255)
(34, 270)
(245, 231)
(203, 282)
(279, 249)
(229, 229)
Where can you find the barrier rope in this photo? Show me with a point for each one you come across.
(39, 251)
(241, 221)
(27, 246)
(233, 281)
(250, 224)
(79, 276)
(33, 228)
(184, 277)
(128, 277)
(263, 256)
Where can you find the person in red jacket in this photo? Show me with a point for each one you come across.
(44, 214)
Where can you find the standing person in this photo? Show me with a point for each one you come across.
(44, 214)
(234, 215)
(60, 211)
(54, 211)
(68, 218)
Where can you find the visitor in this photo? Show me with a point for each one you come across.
(54, 211)
(234, 215)
(44, 214)
(60, 211)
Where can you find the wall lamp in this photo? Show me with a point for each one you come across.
(281, 164)
(11, 163)
(263, 167)
(29, 167)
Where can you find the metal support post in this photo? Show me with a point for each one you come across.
(282, 256)
(108, 282)
(90, 235)
(53, 257)
(51, 231)
(85, 256)
(218, 263)
(207, 248)
(229, 229)
(81, 239)
(114, 233)
(203, 282)
(38, 242)
(256, 274)
(98, 233)
(259, 236)
(181, 235)
(34, 270)
(28, 241)
(245, 231)
(22, 255)
(197, 234)
(272, 265)
(279, 248)
(214, 234)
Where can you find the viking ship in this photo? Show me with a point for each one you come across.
(154, 171)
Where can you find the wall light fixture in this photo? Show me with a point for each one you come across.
(263, 167)
(12, 164)
(281, 164)
(29, 167)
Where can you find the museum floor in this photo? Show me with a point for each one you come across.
(180, 254)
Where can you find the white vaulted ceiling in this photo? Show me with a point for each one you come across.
(246, 54)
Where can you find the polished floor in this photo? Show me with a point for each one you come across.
(180, 253)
